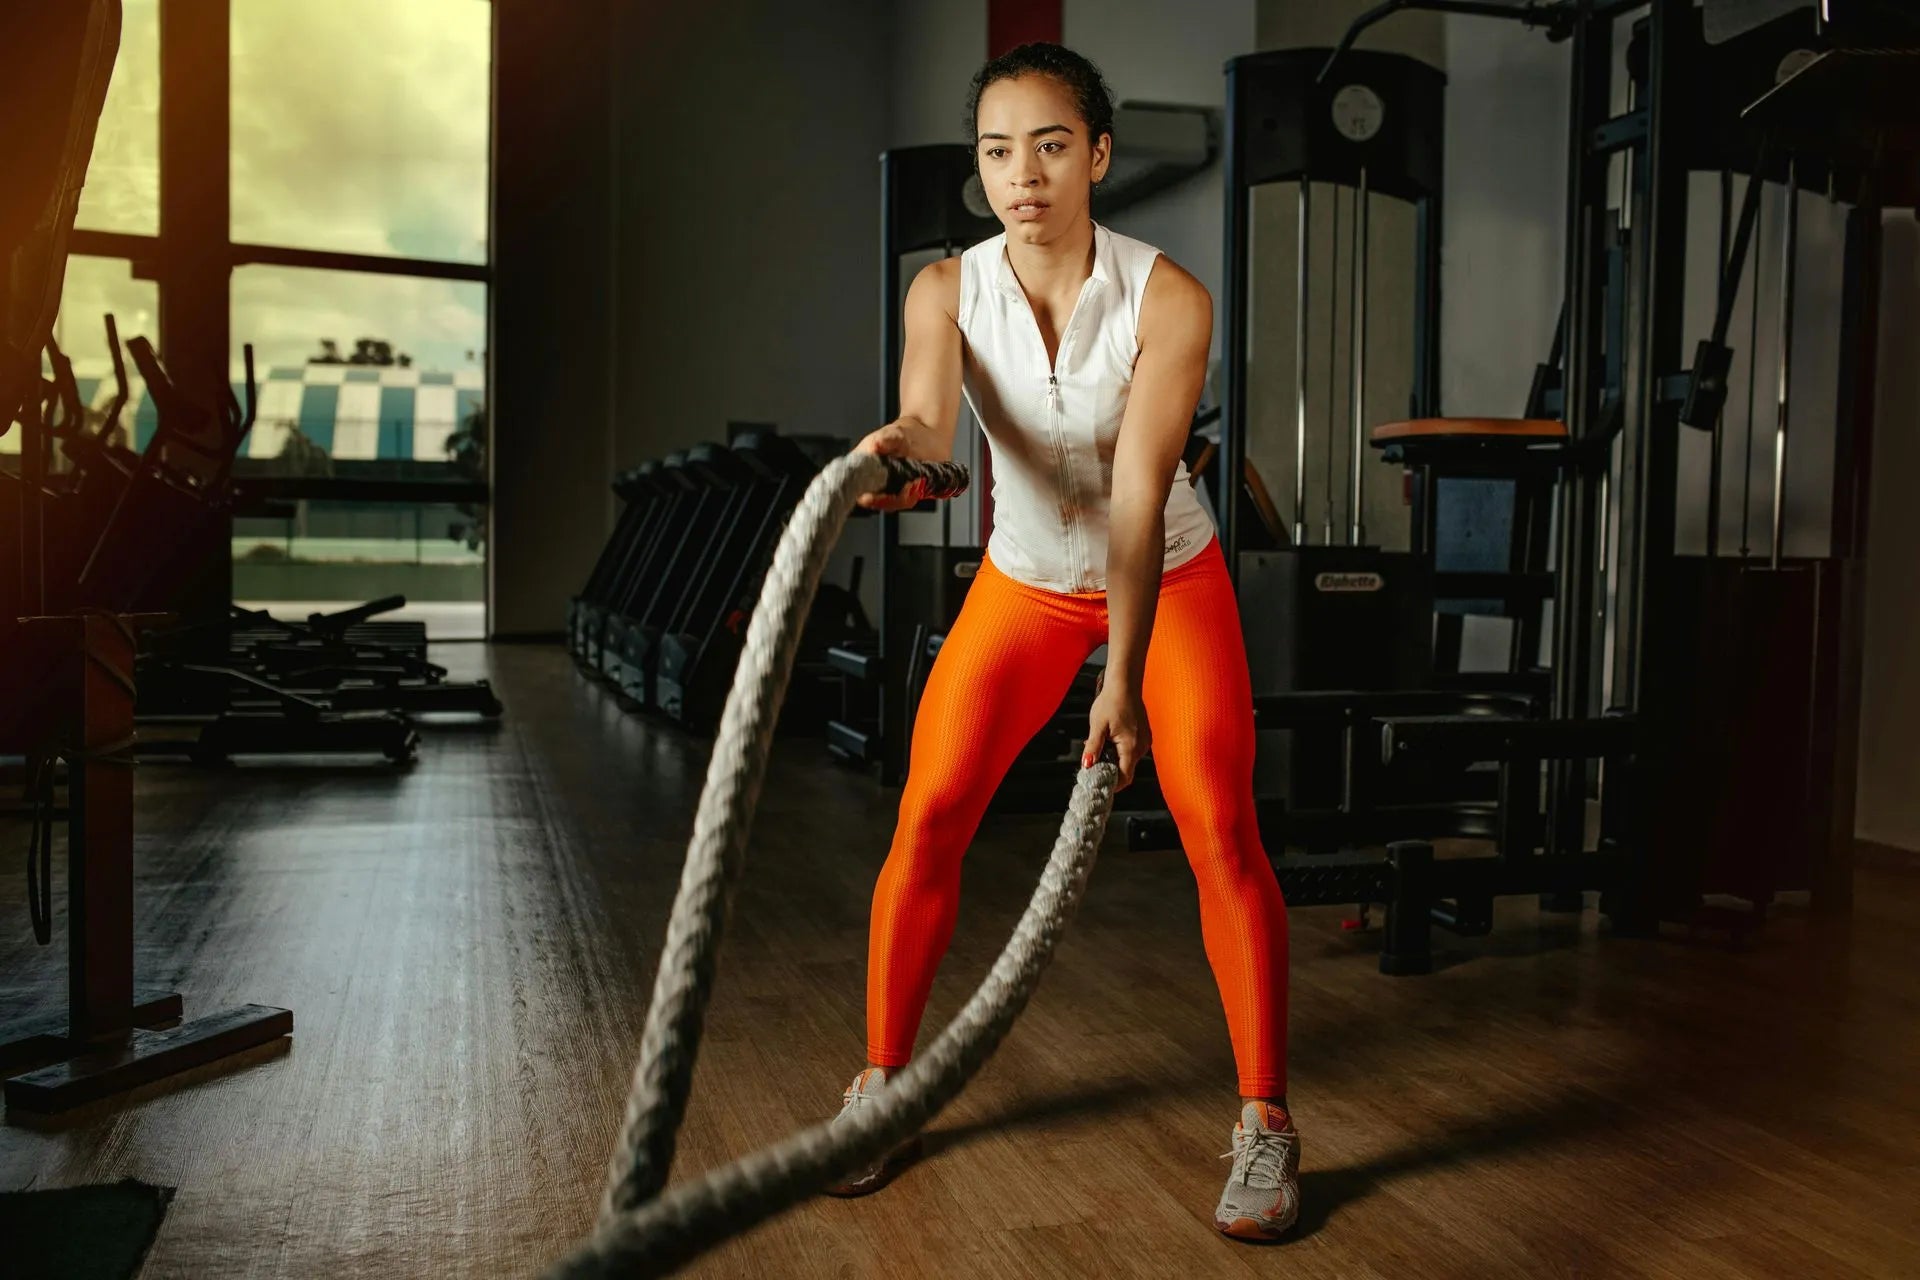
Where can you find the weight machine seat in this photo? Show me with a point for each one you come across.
(1455, 431)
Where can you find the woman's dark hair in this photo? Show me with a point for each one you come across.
(1082, 79)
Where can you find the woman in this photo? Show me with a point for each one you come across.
(1082, 353)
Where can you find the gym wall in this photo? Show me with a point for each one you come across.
(684, 236)
(747, 190)
(935, 47)
(550, 350)
(1890, 699)
(1154, 51)
(1501, 266)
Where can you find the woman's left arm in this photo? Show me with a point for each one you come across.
(1175, 332)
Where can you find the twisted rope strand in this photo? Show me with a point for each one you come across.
(644, 1230)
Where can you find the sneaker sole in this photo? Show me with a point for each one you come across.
(1253, 1230)
(902, 1156)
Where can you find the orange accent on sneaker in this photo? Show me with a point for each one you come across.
(1250, 1229)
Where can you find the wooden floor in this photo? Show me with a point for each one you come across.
(467, 949)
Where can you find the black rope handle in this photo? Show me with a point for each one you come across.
(940, 480)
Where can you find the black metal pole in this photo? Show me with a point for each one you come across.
(1356, 499)
(1302, 271)
(1233, 423)
(1790, 244)
(1576, 562)
(892, 686)
(1427, 229)
(1718, 438)
(1649, 455)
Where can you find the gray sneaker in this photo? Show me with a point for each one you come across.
(865, 1088)
(1262, 1198)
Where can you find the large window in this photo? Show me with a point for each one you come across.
(96, 288)
(361, 126)
(368, 375)
(311, 558)
(123, 178)
(358, 155)
(352, 158)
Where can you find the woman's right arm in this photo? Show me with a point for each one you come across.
(929, 377)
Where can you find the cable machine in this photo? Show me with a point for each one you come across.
(1709, 702)
(925, 204)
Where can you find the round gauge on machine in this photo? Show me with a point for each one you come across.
(974, 196)
(1358, 112)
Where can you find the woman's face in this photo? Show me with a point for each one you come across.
(1037, 164)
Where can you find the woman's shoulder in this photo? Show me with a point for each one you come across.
(1150, 270)
(1173, 301)
(939, 280)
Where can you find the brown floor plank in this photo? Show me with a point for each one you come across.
(468, 948)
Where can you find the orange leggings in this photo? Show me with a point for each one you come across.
(999, 678)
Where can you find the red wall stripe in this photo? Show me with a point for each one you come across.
(1011, 23)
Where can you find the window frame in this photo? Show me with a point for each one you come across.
(193, 257)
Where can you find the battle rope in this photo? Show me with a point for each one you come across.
(645, 1230)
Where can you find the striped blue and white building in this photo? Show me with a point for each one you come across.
(354, 412)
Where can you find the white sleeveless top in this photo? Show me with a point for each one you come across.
(1052, 430)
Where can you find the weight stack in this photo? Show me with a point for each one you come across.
(1333, 617)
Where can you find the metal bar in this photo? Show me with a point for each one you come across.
(1859, 343)
(1426, 307)
(1720, 326)
(244, 255)
(1672, 388)
(1733, 261)
(28, 1041)
(889, 750)
(147, 1056)
(1651, 342)
(1790, 244)
(195, 117)
(1356, 509)
(1333, 328)
(1300, 318)
(889, 294)
(193, 267)
(1407, 945)
(1467, 739)
(1576, 567)
(1753, 371)
(99, 662)
(1328, 708)
(1837, 767)
(1524, 11)
(251, 495)
(1233, 422)
(1621, 132)
(142, 250)
(1510, 587)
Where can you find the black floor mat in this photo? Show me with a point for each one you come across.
(80, 1233)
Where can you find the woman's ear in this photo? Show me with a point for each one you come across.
(1102, 157)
